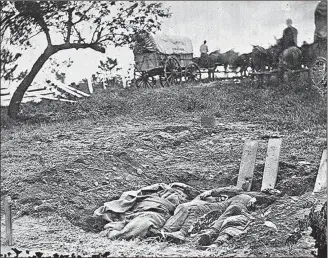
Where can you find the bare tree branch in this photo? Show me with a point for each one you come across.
(94, 46)
(80, 40)
(69, 25)
(34, 35)
(95, 32)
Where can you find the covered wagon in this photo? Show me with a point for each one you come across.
(163, 58)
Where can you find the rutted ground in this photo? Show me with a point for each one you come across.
(59, 173)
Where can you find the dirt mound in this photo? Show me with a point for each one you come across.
(285, 214)
(114, 142)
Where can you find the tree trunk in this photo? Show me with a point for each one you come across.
(16, 99)
(18, 95)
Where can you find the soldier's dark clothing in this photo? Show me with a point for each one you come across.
(289, 37)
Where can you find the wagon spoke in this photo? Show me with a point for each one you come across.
(193, 73)
(172, 71)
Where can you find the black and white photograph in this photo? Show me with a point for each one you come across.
(163, 129)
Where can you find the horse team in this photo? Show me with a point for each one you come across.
(260, 59)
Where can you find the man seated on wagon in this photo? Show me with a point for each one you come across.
(203, 50)
(289, 37)
(204, 55)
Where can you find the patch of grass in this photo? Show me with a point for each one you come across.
(298, 108)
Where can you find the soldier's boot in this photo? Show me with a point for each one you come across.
(208, 237)
(222, 239)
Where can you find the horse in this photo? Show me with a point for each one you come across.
(259, 58)
(243, 62)
(290, 59)
(215, 59)
(273, 53)
(224, 59)
(208, 62)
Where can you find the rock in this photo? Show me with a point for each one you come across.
(128, 178)
(96, 183)
(164, 135)
(207, 121)
(79, 160)
(304, 163)
(44, 207)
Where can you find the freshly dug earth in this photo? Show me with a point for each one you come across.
(58, 173)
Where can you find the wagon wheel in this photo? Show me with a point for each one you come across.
(318, 74)
(192, 73)
(172, 72)
(143, 80)
(163, 81)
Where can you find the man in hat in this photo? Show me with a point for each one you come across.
(289, 37)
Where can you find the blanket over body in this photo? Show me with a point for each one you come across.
(135, 212)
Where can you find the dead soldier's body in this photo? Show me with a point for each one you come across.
(230, 216)
(135, 212)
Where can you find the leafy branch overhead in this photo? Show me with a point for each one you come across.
(107, 65)
(83, 22)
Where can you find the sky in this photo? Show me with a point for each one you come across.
(239, 24)
(224, 24)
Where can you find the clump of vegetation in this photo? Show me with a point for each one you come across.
(271, 108)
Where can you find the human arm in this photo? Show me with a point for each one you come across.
(228, 191)
(262, 198)
(187, 189)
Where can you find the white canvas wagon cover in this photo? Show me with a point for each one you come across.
(168, 44)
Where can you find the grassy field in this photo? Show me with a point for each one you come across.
(60, 161)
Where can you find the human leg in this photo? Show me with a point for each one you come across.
(139, 226)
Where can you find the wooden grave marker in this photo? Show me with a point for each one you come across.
(207, 121)
(247, 165)
(321, 181)
(271, 164)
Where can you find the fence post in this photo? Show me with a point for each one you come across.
(9, 227)
(90, 85)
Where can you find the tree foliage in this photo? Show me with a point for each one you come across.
(79, 25)
(105, 70)
(107, 65)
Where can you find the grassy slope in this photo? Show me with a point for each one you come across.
(54, 161)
